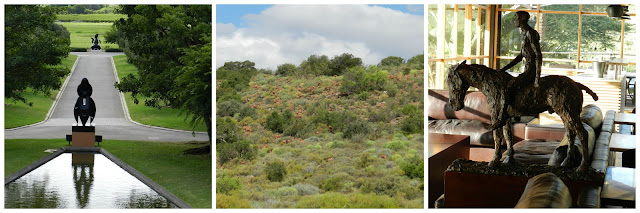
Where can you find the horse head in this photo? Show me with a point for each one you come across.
(457, 86)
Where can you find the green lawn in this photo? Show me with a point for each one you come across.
(109, 17)
(165, 117)
(82, 32)
(186, 176)
(19, 114)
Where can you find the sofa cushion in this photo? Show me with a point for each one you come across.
(475, 107)
(607, 123)
(561, 151)
(592, 115)
(478, 135)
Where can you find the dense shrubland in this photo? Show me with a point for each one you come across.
(328, 133)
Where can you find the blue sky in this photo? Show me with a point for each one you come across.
(233, 13)
(271, 35)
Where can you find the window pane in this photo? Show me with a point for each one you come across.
(520, 6)
(600, 40)
(599, 8)
(510, 38)
(561, 7)
(432, 30)
(559, 36)
(630, 37)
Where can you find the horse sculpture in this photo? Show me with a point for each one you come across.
(557, 94)
(85, 107)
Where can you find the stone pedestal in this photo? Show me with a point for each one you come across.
(83, 136)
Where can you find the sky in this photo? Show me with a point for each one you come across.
(270, 35)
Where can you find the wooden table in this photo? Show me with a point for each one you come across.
(619, 187)
(443, 149)
(625, 118)
(622, 142)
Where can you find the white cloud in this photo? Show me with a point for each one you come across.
(290, 33)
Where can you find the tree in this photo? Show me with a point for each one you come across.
(391, 61)
(171, 47)
(34, 47)
(340, 63)
(416, 62)
(315, 65)
(287, 69)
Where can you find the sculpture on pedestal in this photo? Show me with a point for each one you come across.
(85, 108)
(95, 43)
(557, 94)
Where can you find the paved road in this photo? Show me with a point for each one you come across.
(110, 120)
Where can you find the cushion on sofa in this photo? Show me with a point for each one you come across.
(475, 107)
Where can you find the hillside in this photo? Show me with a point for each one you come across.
(310, 141)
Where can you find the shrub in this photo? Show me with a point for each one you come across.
(299, 128)
(287, 70)
(335, 144)
(335, 183)
(227, 131)
(410, 110)
(248, 111)
(366, 159)
(340, 63)
(78, 49)
(395, 145)
(112, 50)
(352, 200)
(226, 184)
(417, 62)
(362, 96)
(315, 65)
(356, 127)
(391, 61)
(231, 201)
(287, 191)
(241, 149)
(413, 166)
(359, 79)
(306, 189)
(413, 124)
(275, 122)
(228, 107)
(275, 171)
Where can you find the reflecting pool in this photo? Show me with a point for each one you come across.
(81, 180)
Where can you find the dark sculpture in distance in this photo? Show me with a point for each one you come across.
(95, 43)
(557, 94)
(85, 108)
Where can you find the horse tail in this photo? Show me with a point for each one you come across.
(586, 89)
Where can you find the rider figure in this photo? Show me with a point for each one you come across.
(532, 54)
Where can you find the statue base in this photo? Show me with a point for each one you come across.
(83, 136)
(470, 184)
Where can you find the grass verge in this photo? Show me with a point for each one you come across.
(82, 32)
(19, 114)
(165, 117)
(186, 176)
(108, 17)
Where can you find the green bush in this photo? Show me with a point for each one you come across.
(287, 70)
(78, 49)
(241, 149)
(363, 96)
(275, 171)
(275, 122)
(391, 61)
(359, 79)
(287, 191)
(353, 200)
(395, 145)
(413, 124)
(226, 184)
(231, 201)
(417, 62)
(410, 110)
(227, 131)
(228, 107)
(340, 63)
(413, 167)
(336, 182)
(306, 189)
(316, 65)
(335, 144)
(356, 127)
(112, 50)
(248, 111)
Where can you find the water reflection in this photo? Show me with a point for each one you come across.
(82, 176)
(92, 181)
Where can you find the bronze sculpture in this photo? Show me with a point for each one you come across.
(557, 94)
(85, 107)
(95, 43)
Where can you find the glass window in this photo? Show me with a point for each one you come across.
(561, 7)
(600, 39)
(559, 36)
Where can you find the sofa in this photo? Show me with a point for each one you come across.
(468, 121)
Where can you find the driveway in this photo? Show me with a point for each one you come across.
(111, 121)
